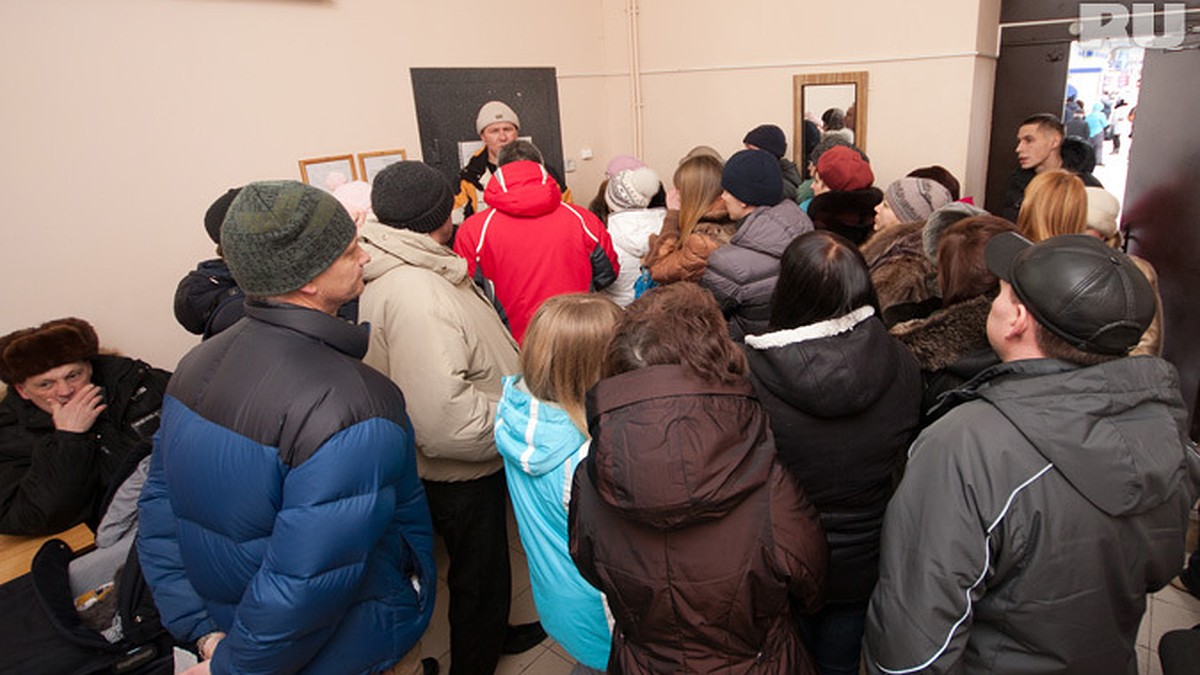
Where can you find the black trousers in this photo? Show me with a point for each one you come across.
(470, 517)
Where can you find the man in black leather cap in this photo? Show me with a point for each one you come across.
(1036, 514)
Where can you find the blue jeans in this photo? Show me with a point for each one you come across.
(834, 637)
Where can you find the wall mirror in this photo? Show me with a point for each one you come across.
(817, 95)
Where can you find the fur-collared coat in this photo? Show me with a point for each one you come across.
(903, 275)
(951, 345)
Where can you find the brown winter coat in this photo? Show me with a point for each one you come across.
(699, 538)
(951, 345)
(671, 260)
(900, 270)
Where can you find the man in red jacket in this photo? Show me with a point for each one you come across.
(528, 245)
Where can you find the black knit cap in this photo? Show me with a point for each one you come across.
(215, 215)
(411, 196)
(279, 235)
(753, 176)
(768, 137)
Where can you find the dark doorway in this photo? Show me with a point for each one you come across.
(1161, 218)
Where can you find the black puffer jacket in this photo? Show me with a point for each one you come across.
(208, 300)
(843, 397)
(51, 480)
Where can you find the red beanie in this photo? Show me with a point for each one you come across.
(844, 170)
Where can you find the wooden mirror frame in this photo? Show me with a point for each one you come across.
(858, 79)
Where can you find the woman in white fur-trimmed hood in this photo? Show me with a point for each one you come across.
(844, 401)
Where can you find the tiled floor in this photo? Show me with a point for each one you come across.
(545, 659)
(1165, 611)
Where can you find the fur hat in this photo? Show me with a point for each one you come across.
(279, 235)
(412, 196)
(632, 189)
(753, 176)
(914, 199)
(844, 170)
(215, 215)
(768, 137)
(942, 218)
(1102, 211)
(495, 111)
(32, 351)
(621, 162)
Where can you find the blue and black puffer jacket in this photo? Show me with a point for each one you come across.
(283, 504)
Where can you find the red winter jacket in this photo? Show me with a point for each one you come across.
(531, 246)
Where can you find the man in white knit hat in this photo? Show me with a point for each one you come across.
(497, 125)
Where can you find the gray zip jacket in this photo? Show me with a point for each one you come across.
(1032, 521)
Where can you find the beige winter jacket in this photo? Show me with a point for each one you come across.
(439, 339)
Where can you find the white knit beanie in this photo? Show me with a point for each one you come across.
(495, 111)
(632, 189)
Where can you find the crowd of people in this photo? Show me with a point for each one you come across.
(761, 419)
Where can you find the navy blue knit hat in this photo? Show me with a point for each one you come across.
(768, 137)
(753, 176)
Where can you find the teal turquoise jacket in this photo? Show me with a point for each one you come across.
(541, 447)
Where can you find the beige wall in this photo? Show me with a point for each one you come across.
(125, 118)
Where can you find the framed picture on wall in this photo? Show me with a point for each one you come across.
(328, 172)
(371, 163)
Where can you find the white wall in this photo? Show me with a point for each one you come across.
(124, 119)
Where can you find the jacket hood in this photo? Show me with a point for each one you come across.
(535, 435)
(670, 449)
(524, 189)
(1101, 426)
(390, 248)
(631, 230)
(828, 369)
(769, 229)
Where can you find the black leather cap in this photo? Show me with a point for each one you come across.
(1090, 295)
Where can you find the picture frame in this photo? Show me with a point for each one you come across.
(321, 171)
(371, 163)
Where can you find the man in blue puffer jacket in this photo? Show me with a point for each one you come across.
(283, 525)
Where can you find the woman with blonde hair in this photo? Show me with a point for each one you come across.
(696, 223)
(1055, 203)
(542, 435)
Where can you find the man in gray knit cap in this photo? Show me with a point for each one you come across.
(283, 525)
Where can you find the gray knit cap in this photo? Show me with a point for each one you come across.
(941, 219)
(913, 199)
(279, 235)
(412, 196)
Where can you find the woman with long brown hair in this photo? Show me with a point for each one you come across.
(696, 223)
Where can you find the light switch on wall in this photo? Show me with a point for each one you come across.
(570, 165)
